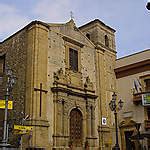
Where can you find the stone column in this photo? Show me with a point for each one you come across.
(65, 124)
(88, 111)
(92, 121)
(59, 118)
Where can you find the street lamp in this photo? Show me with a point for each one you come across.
(113, 106)
(148, 5)
(9, 84)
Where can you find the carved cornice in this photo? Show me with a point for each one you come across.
(35, 122)
(103, 48)
(83, 94)
(75, 42)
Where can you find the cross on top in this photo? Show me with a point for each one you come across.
(40, 90)
(71, 15)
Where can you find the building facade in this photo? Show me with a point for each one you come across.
(65, 79)
(133, 85)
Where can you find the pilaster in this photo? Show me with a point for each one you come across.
(36, 101)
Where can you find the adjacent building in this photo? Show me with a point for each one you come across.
(133, 85)
(65, 80)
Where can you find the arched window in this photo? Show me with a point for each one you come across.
(2, 64)
(73, 59)
(106, 41)
(76, 127)
(88, 36)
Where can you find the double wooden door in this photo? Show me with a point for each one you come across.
(76, 127)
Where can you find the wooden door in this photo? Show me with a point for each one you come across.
(76, 128)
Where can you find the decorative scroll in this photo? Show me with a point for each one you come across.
(88, 84)
(59, 76)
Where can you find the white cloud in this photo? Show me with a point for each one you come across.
(53, 10)
(11, 20)
(6, 8)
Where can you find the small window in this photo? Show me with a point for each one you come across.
(2, 64)
(147, 85)
(106, 41)
(88, 36)
(73, 59)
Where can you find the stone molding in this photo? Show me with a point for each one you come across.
(71, 92)
(35, 122)
(75, 42)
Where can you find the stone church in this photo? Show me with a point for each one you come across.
(65, 80)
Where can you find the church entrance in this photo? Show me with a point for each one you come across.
(76, 129)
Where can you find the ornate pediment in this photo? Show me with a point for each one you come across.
(127, 123)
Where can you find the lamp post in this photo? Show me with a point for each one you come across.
(113, 106)
(9, 85)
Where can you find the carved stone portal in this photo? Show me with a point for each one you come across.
(74, 113)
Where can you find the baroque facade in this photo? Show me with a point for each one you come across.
(133, 72)
(65, 79)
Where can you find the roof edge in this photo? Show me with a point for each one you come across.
(25, 27)
(97, 21)
(133, 54)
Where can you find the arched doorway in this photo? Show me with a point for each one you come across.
(127, 129)
(76, 127)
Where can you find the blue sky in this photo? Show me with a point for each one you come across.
(130, 18)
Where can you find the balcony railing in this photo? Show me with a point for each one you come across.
(147, 124)
(137, 97)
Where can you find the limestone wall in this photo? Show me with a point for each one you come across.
(16, 59)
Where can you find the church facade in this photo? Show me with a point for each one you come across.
(65, 80)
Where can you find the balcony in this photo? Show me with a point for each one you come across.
(137, 97)
(147, 124)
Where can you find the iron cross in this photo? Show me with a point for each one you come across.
(40, 90)
(71, 15)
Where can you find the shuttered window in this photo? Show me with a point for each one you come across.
(73, 59)
(106, 41)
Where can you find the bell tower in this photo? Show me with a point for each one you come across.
(103, 37)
